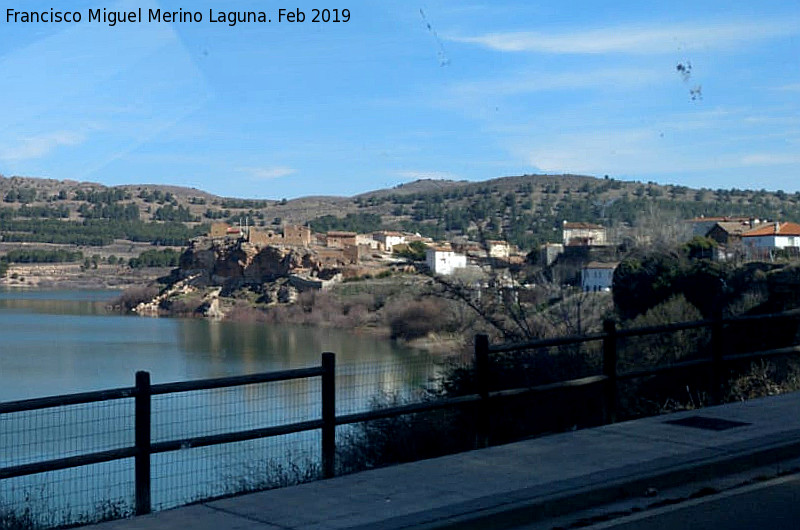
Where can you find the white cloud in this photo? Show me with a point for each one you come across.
(268, 173)
(635, 40)
(33, 147)
(618, 152)
(601, 152)
(770, 159)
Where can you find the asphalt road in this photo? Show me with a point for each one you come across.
(772, 505)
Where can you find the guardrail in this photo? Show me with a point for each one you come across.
(143, 391)
(143, 448)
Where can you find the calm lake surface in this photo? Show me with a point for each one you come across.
(59, 342)
(56, 342)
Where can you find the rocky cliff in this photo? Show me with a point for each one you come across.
(213, 274)
(232, 264)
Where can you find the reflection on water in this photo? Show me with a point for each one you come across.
(56, 342)
(103, 295)
(56, 302)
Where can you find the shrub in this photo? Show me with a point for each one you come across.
(411, 319)
(24, 520)
(661, 348)
(182, 306)
(671, 391)
(414, 251)
(764, 379)
(130, 298)
(404, 438)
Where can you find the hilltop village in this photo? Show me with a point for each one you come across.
(279, 265)
(340, 255)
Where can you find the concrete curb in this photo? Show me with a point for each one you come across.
(561, 498)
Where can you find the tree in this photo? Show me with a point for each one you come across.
(700, 247)
(415, 251)
(641, 283)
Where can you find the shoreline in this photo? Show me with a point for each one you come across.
(75, 276)
(72, 276)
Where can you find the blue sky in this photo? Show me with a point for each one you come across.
(406, 90)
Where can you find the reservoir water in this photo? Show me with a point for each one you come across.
(57, 342)
(60, 342)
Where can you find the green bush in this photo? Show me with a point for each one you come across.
(412, 319)
(414, 251)
(156, 258)
(43, 256)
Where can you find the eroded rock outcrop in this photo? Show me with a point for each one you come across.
(216, 275)
(234, 264)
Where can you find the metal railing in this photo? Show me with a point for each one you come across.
(142, 392)
(142, 449)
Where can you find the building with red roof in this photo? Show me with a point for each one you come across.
(772, 236)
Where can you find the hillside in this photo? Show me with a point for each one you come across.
(525, 210)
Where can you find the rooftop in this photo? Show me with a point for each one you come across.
(774, 229)
(598, 265)
(702, 219)
(735, 227)
(591, 226)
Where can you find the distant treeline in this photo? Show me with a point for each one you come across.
(37, 256)
(99, 232)
(171, 213)
(352, 222)
(156, 258)
(245, 203)
(115, 211)
(43, 256)
(43, 212)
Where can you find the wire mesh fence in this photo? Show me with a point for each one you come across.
(190, 414)
(362, 386)
(194, 474)
(70, 496)
(107, 490)
(44, 434)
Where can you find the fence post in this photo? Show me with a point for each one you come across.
(328, 414)
(717, 365)
(610, 370)
(482, 382)
(142, 438)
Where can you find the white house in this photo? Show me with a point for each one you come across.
(498, 249)
(389, 239)
(366, 240)
(772, 236)
(444, 261)
(597, 276)
(584, 234)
